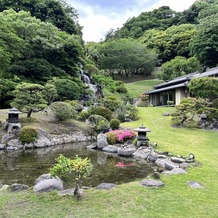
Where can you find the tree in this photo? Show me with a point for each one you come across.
(128, 55)
(178, 66)
(36, 50)
(205, 44)
(79, 167)
(159, 19)
(204, 87)
(57, 12)
(29, 98)
(67, 89)
(171, 42)
(50, 93)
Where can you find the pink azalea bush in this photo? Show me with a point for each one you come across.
(119, 136)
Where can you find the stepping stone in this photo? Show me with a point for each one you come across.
(152, 183)
(106, 186)
(194, 184)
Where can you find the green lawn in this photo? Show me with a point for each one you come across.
(136, 89)
(176, 199)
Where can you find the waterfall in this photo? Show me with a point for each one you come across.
(95, 88)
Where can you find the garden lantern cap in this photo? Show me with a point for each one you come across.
(142, 128)
(14, 111)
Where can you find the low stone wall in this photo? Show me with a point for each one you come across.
(45, 140)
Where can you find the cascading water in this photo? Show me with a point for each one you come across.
(95, 88)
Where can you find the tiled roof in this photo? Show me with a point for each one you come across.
(183, 78)
(166, 88)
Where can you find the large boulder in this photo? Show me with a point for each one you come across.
(47, 183)
(110, 149)
(126, 151)
(141, 154)
(102, 141)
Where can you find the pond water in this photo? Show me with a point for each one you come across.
(24, 166)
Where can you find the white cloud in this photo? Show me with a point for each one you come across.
(96, 20)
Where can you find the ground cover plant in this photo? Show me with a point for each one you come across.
(176, 199)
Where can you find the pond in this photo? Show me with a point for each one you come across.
(24, 166)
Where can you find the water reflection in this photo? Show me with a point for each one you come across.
(24, 166)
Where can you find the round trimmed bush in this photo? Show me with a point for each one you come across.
(62, 110)
(114, 124)
(104, 112)
(28, 134)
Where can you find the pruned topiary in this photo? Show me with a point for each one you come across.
(28, 134)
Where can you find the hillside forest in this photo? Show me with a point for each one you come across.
(42, 49)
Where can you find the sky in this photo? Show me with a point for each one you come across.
(97, 17)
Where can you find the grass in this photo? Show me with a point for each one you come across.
(135, 89)
(176, 199)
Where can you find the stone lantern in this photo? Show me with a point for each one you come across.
(142, 136)
(13, 120)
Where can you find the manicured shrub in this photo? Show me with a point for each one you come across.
(114, 124)
(104, 112)
(121, 88)
(102, 126)
(98, 122)
(28, 134)
(62, 110)
(131, 113)
(83, 115)
(111, 102)
(215, 103)
(119, 136)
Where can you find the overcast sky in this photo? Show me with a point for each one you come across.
(99, 16)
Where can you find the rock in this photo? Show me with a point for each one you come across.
(126, 151)
(177, 159)
(152, 183)
(6, 137)
(141, 154)
(175, 171)
(166, 163)
(184, 165)
(170, 166)
(110, 149)
(29, 145)
(106, 186)
(18, 187)
(66, 192)
(42, 142)
(194, 184)
(102, 141)
(11, 148)
(92, 146)
(47, 183)
(166, 114)
(15, 143)
(4, 187)
(2, 146)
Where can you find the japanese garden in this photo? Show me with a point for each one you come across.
(124, 127)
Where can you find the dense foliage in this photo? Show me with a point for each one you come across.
(75, 169)
(204, 87)
(29, 98)
(28, 134)
(118, 136)
(62, 110)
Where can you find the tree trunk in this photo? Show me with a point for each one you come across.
(29, 112)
